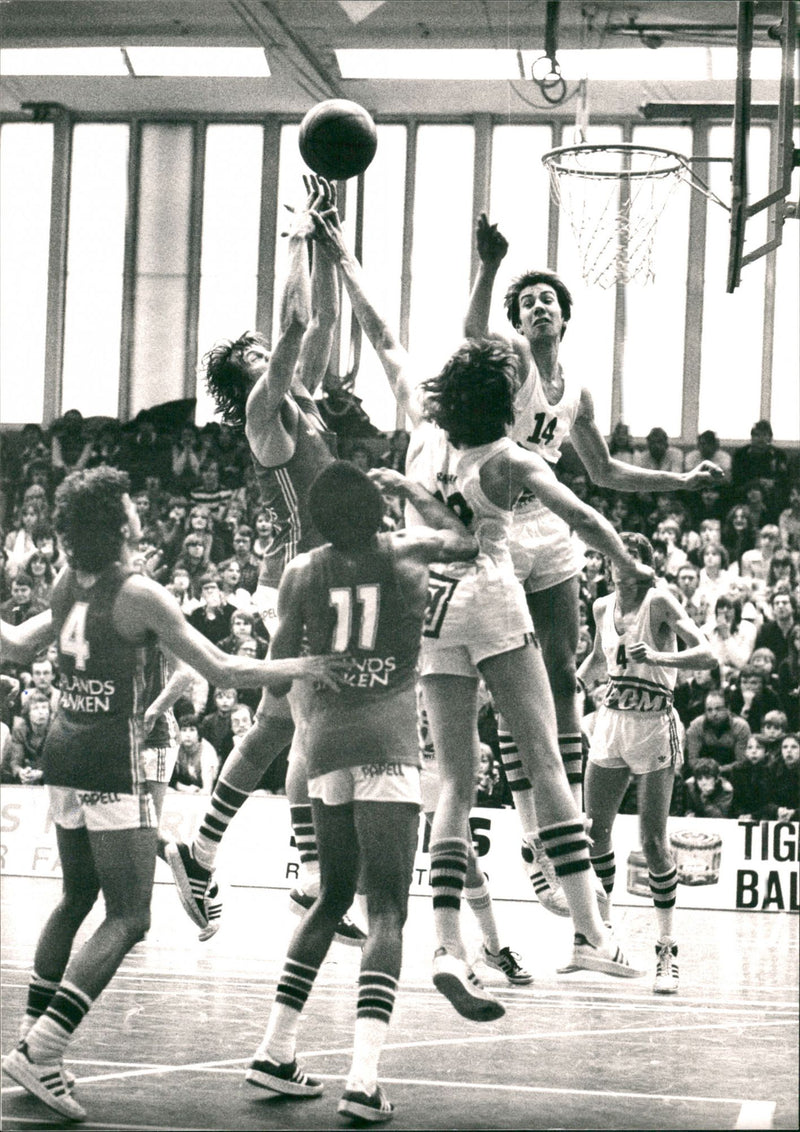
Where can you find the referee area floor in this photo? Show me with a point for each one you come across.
(166, 1045)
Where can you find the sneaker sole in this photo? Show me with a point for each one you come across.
(17, 1069)
(665, 990)
(184, 887)
(364, 1112)
(280, 1087)
(603, 965)
(468, 1006)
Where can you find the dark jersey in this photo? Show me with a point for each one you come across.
(284, 488)
(361, 607)
(93, 743)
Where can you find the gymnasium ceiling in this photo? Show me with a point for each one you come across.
(299, 37)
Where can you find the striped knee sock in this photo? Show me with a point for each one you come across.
(606, 868)
(294, 987)
(567, 847)
(40, 995)
(226, 801)
(571, 749)
(376, 995)
(518, 781)
(448, 872)
(48, 1037)
(664, 887)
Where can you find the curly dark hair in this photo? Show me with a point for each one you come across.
(511, 300)
(90, 516)
(226, 376)
(472, 399)
(633, 541)
(346, 507)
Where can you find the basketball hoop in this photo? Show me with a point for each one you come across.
(613, 197)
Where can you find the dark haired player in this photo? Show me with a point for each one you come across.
(104, 618)
(363, 596)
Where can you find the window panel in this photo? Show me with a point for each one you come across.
(95, 258)
(230, 235)
(733, 325)
(26, 164)
(443, 223)
(158, 359)
(652, 377)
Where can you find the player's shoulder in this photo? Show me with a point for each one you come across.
(601, 605)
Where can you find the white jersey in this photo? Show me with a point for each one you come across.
(490, 524)
(634, 687)
(540, 426)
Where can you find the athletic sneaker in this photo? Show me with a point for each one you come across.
(25, 1025)
(282, 1077)
(44, 1080)
(666, 968)
(609, 960)
(197, 889)
(346, 931)
(375, 1107)
(543, 877)
(507, 961)
(456, 980)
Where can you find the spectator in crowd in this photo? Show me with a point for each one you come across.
(180, 585)
(730, 636)
(708, 503)
(146, 453)
(22, 758)
(213, 617)
(172, 529)
(265, 531)
(775, 634)
(241, 718)
(707, 794)
(185, 459)
(687, 582)
(782, 572)
(789, 679)
(47, 545)
(490, 785)
(789, 520)
(395, 455)
(197, 765)
(774, 726)
(620, 443)
(21, 542)
(42, 682)
(738, 533)
(245, 626)
(209, 492)
(751, 697)
(659, 456)
(40, 570)
(718, 733)
(201, 525)
(708, 449)
(20, 606)
(691, 692)
(243, 553)
(216, 727)
(229, 574)
(668, 531)
(764, 660)
(192, 560)
(752, 783)
(107, 446)
(760, 460)
(785, 787)
(70, 447)
(714, 579)
(754, 563)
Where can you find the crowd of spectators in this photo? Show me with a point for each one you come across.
(730, 553)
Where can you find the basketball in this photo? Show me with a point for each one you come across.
(338, 139)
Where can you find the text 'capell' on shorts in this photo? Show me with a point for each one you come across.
(541, 548)
(370, 782)
(98, 811)
(639, 740)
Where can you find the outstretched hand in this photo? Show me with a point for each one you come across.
(491, 243)
(321, 195)
(327, 230)
(706, 472)
(390, 481)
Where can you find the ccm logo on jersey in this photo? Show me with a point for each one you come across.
(637, 695)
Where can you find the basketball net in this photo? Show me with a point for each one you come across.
(613, 197)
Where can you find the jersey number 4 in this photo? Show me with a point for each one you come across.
(621, 658)
(368, 598)
(72, 639)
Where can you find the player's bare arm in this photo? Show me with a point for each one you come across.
(145, 607)
(491, 246)
(315, 348)
(433, 511)
(606, 471)
(593, 667)
(20, 643)
(393, 356)
(667, 613)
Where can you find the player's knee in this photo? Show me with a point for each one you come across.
(335, 900)
(655, 848)
(563, 674)
(77, 903)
